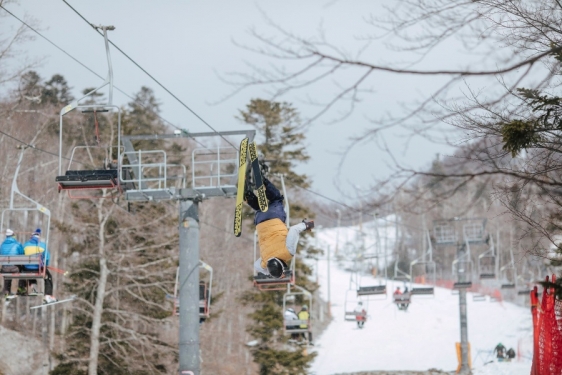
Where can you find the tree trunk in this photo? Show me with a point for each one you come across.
(100, 295)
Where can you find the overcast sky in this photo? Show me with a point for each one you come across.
(187, 45)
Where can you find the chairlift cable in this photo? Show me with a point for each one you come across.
(35, 148)
(154, 79)
(349, 207)
(96, 74)
(169, 92)
(174, 96)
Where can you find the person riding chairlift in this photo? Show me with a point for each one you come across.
(304, 315)
(10, 246)
(290, 315)
(35, 246)
(278, 244)
(360, 315)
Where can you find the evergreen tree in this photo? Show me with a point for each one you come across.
(56, 91)
(280, 137)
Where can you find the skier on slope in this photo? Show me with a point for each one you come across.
(360, 315)
(500, 351)
(278, 244)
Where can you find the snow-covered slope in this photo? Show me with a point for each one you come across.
(423, 337)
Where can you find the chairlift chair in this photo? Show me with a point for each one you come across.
(374, 292)
(371, 290)
(402, 301)
(300, 326)
(508, 277)
(400, 275)
(462, 268)
(487, 266)
(378, 291)
(444, 233)
(204, 293)
(487, 262)
(473, 230)
(90, 178)
(423, 270)
(14, 217)
(350, 302)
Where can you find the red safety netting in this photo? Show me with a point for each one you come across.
(547, 333)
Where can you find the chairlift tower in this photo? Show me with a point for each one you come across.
(157, 186)
(147, 176)
(446, 234)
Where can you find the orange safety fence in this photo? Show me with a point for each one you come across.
(547, 332)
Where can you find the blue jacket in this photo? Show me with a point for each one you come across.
(11, 246)
(276, 210)
(34, 246)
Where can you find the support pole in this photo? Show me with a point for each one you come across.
(189, 356)
(465, 369)
(329, 299)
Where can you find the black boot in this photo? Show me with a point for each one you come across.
(309, 224)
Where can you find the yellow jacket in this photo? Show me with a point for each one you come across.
(304, 315)
(272, 236)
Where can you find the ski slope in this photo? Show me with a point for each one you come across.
(420, 339)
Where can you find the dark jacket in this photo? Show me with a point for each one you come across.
(276, 210)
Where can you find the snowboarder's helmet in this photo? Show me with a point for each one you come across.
(304, 307)
(275, 267)
(291, 309)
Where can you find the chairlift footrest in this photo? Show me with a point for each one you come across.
(91, 179)
(488, 276)
(462, 285)
(424, 291)
(370, 290)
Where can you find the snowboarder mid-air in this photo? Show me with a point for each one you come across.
(277, 243)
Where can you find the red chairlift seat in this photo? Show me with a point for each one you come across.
(93, 179)
(203, 305)
(265, 282)
(23, 260)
